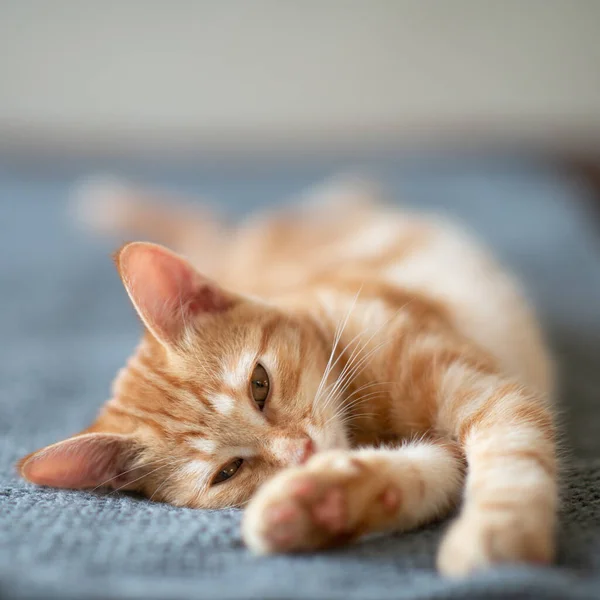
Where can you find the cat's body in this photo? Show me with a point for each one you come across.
(376, 330)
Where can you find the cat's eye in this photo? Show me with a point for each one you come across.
(259, 386)
(228, 471)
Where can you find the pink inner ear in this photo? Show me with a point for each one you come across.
(166, 290)
(84, 461)
(207, 299)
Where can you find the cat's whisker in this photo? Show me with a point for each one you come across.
(351, 374)
(360, 416)
(345, 408)
(350, 399)
(337, 337)
(170, 476)
(339, 331)
(151, 463)
(352, 423)
(370, 385)
(137, 479)
(317, 396)
(360, 366)
(346, 417)
(169, 464)
(356, 369)
(356, 401)
(356, 351)
(353, 357)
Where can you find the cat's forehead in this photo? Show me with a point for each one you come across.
(232, 347)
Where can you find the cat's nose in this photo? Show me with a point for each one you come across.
(292, 451)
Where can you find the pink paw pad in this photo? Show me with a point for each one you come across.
(283, 513)
(303, 488)
(283, 523)
(331, 512)
(390, 500)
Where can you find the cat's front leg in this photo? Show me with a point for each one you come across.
(510, 502)
(340, 495)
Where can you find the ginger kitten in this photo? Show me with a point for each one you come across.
(342, 369)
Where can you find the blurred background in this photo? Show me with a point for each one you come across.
(224, 79)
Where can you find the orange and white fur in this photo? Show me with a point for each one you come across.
(341, 368)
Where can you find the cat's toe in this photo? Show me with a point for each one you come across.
(272, 528)
(325, 504)
(284, 525)
(310, 514)
(331, 512)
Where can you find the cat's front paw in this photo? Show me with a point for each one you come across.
(481, 539)
(332, 499)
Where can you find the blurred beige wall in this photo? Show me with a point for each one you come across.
(244, 73)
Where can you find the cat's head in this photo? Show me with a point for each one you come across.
(222, 392)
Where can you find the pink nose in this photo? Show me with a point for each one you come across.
(303, 450)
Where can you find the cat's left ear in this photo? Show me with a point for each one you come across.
(166, 290)
(84, 461)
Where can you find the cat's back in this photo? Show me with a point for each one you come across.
(436, 258)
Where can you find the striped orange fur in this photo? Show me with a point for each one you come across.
(396, 353)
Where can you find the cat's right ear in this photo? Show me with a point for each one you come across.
(167, 292)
